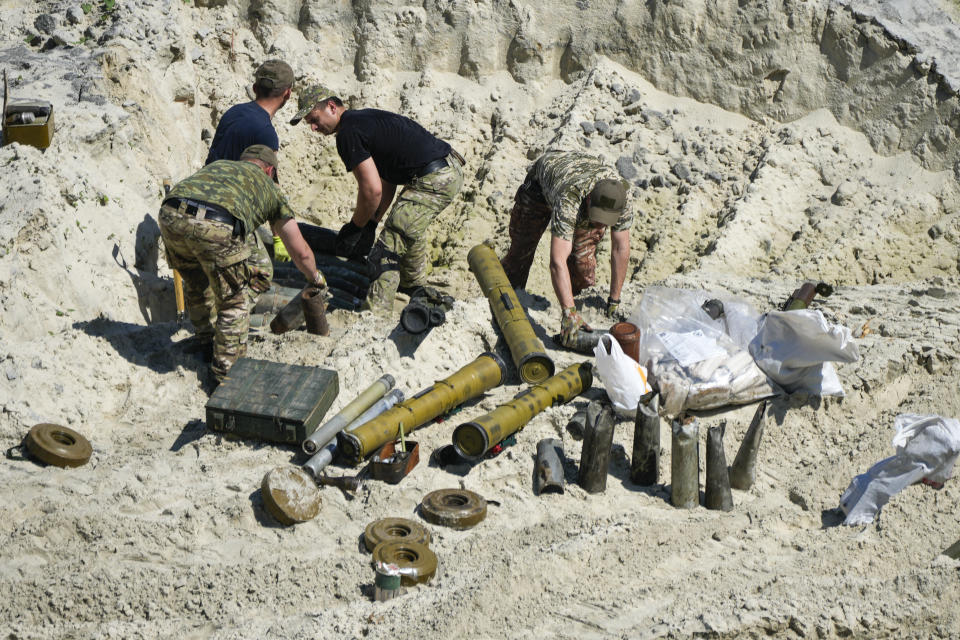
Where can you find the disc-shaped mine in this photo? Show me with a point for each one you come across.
(417, 558)
(58, 445)
(290, 495)
(455, 508)
(400, 529)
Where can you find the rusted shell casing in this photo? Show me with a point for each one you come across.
(289, 317)
(548, 469)
(270, 303)
(473, 439)
(743, 470)
(628, 335)
(595, 454)
(645, 462)
(528, 352)
(685, 465)
(315, 311)
(717, 494)
(484, 373)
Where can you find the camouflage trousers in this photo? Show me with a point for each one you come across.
(528, 220)
(401, 251)
(235, 269)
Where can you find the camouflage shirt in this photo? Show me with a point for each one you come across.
(240, 187)
(566, 178)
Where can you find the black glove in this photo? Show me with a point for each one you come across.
(350, 240)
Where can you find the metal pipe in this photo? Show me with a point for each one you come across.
(485, 372)
(595, 455)
(717, 492)
(685, 465)
(743, 472)
(473, 439)
(529, 354)
(358, 405)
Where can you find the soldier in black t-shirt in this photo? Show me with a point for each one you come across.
(384, 150)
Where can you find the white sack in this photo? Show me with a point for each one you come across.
(795, 349)
(926, 446)
(624, 379)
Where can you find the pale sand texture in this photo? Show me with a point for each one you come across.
(825, 148)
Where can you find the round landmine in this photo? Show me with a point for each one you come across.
(416, 561)
(58, 445)
(399, 529)
(290, 495)
(454, 508)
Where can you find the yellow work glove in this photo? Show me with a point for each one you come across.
(279, 251)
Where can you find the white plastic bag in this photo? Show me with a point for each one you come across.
(927, 447)
(795, 348)
(624, 379)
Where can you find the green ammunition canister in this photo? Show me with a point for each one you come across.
(473, 439)
(527, 350)
(484, 373)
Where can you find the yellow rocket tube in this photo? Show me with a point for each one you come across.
(473, 439)
(527, 350)
(484, 373)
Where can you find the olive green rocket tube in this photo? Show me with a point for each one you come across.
(528, 352)
(484, 373)
(348, 414)
(473, 439)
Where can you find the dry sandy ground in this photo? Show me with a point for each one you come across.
(820, 170)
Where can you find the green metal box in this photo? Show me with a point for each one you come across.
(37, 132)
(272, 401)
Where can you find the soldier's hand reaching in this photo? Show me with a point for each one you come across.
(349, 240)
(613, 310)
(570, 325)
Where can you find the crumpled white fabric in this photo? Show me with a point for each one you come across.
(795, 349)
(926, 446)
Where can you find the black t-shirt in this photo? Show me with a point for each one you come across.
(241, 126)
(398, 145)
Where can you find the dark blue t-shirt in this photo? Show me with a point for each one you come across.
(241, 126)
(398, 145)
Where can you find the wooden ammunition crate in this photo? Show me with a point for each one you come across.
(272, 401)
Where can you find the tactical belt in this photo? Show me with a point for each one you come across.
(438, 164)
(204, 211)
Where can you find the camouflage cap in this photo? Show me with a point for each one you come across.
(607, 201)
(274, 74)
(260, 152)
(308, 99)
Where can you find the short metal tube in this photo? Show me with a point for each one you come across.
(645, 462)
(685, 465)
(320, 459)
(548, 469)
(595, 455)
(743, 472)
(717, 494)
(358, 405)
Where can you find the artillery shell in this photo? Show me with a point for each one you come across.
(548, 468)
(595, 455)
(717, 493)
(685, 465)
(645, 462)
(743, 471)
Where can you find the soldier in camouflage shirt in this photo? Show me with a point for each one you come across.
(384, 150)
(208, 222)
(578, 196)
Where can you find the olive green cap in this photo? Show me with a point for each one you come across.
(308, 99)
(260, 152)
(274, 74)
(607, 201)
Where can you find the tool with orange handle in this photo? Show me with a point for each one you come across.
(177, 280)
